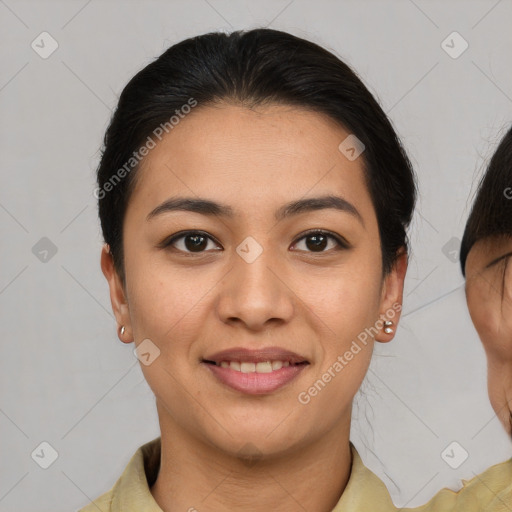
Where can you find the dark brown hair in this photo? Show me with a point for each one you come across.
(491, 214)
(260, 66)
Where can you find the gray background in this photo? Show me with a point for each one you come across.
(66, 379)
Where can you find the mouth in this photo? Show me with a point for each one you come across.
(255, 371)
(252, 367)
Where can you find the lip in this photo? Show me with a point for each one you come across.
(255, 383)
(256, 356)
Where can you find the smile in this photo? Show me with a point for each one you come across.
(254, 372)
(250, 367)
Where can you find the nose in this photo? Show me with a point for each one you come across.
(255, 293)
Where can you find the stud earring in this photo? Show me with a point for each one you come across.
(122, 330)
(388, 329)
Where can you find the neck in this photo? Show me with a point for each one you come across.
(197, 477)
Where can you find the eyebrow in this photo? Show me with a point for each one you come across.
(497, 260)
(211, 208)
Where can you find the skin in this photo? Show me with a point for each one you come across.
(489, 298)
(222, 449)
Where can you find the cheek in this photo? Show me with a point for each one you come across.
(472, 300)
(477, 312)
(168, 308)
(354, 293)
(350, 305)
(345, 306)
(164, 301)
(485, 309)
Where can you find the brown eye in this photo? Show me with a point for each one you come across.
(318, 241)
(195, 243)
(189, 242)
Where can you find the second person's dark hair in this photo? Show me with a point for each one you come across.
(255, 67)
(491, 214)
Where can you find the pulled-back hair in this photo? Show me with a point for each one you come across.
(251, 68)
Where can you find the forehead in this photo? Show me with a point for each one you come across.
(244, 156)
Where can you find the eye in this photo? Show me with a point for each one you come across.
(189, 242)
(318, 240)
(197, 242)
(498, 260)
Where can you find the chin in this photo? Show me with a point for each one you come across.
(255, 444)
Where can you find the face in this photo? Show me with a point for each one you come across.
(489, 297)
(268, 275)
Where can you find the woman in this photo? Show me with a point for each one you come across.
(254, 201)
(486, 260)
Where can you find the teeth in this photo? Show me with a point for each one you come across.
(277, 365)
(249, 367)
(265, 367)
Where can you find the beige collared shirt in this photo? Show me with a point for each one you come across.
(365, 492)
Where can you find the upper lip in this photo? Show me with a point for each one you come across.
(256, 356)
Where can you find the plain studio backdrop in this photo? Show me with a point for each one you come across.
(441, 70)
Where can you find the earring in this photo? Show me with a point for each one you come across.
(122, 330)
(388, 329)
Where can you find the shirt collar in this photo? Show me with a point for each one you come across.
(364, 490)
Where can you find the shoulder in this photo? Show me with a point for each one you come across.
(132, 489)
(490, 491)
(101, 504)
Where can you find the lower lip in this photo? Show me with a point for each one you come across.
(256, 383)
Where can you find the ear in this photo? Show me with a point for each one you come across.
(117, 295)
(391, 298)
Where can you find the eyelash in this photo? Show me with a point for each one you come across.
(498, 260)
(340, 241)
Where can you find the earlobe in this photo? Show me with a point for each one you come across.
(117, 295)
(392, 296)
